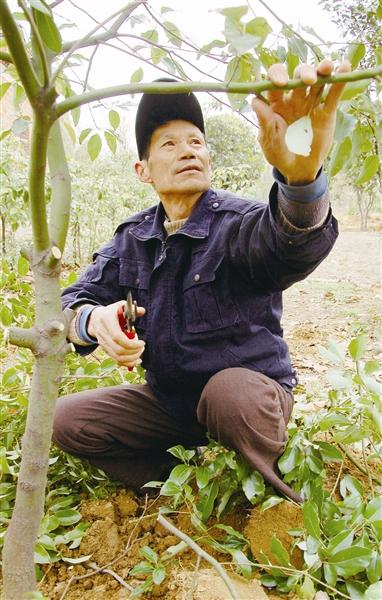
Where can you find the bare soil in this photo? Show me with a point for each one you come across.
(341, 298)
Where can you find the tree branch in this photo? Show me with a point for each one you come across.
(18, 52)
(38, 154)
(185, 87)
(39, 42)
(24, 338)
(126, 11)
(200, 552)
(61, 188)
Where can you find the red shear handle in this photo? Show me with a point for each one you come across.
(122, 324)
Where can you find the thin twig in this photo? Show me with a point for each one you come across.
(200, 552)
(89, 67)
(128, 547)
(275, 15)
(126, 10)
(123, 583)
(356, 463)
(337, 479)
(367, 468)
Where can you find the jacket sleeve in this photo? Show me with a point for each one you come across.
(275, 257)
(99, 284)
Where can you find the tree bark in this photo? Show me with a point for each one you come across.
(50, 350)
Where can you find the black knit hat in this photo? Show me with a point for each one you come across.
(155, 110)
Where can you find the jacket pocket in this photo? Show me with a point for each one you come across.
(208, 304)
(135, 278)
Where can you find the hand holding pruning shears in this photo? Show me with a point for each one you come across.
(126, 318)
(113, 326)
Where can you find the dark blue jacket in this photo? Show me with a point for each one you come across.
(212, 291)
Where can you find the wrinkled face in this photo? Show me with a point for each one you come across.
(178, 161)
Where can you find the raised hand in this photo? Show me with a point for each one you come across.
(104, 325)
(287, 106)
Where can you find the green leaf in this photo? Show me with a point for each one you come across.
(151, 35)
(341, 541)
(49, 31)
(350, 561)
(270, 502)
(68, 516)
(311, 519)
(41, 555)
(158, 575)
(157, 54)
(137, 76)
(94, 146)
(111, 141)
(340, 156)
(114, 119)
(180, 474)
(203, 475)
(345, 124)
(206, 503)
(236, 13)
(299, 136)
(206, 49)
(41, 6)
(374, 591)
(4, 88)
(76, 113)
(170, 488)
(6, 316)
(354, 88)
(84, 134)
(280, 552)
(373, 514)
(173, 33)
(149, 554)
(253, 486)
(370, 167)
(357, 347)
(243, 563)
(290, 459)
(329, 452)
(22, 266)
(356, 54)
(307, 590)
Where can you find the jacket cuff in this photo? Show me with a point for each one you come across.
(78, 327)
(302, 193)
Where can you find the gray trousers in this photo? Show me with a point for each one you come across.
(125, 430)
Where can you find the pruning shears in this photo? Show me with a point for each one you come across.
(126, 317)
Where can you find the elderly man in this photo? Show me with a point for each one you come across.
(207, 270)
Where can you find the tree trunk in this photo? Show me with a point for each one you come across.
(47, 339)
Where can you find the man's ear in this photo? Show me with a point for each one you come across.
(142, 171)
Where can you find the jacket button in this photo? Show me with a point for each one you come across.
(215, 205)
(147, 217)
(137, 281)
(196, 277)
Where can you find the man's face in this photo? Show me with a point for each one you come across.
(178, 161)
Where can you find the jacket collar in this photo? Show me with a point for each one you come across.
(197, 224)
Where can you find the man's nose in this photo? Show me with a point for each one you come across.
(187, 150)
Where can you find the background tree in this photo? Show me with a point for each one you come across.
(38, 58)
(359, 124)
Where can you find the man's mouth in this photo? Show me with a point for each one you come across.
(190, 169)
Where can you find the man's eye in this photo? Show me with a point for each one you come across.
(168, 143)
(196, 141)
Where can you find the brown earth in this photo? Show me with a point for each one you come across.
(342, 297)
